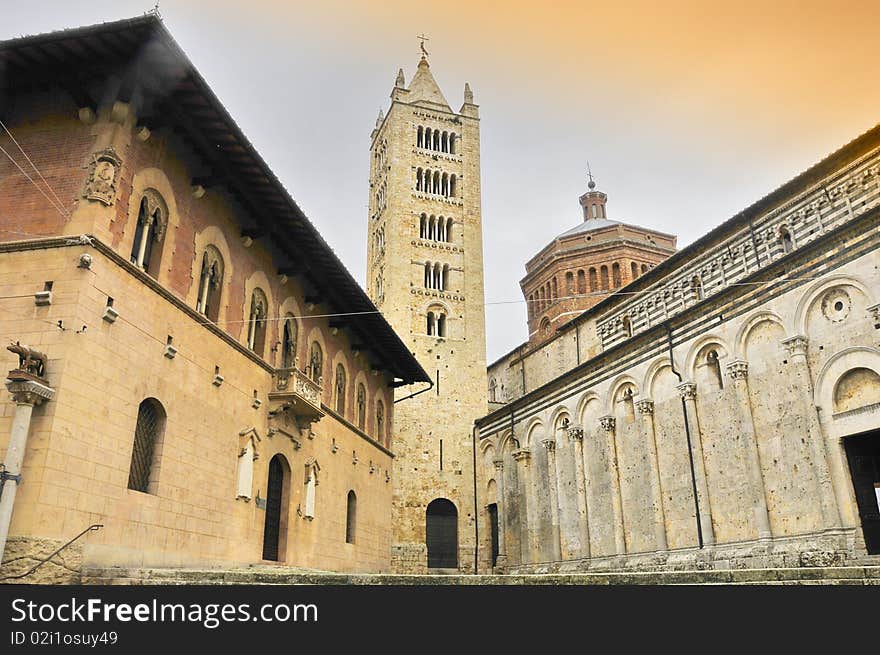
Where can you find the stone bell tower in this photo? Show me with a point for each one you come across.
(425, 272)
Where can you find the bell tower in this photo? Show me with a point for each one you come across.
(425, 272)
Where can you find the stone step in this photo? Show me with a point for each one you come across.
(859, 575)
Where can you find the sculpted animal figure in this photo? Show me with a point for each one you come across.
(29, 360)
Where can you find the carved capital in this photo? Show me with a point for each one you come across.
(687, 390)
(738, 369)
(499, 464)
(875, 314)
(29, 392)
(607, 423)
(645, 406)
(549, 444)
(575, 434)
(523, 455)
(796, 345)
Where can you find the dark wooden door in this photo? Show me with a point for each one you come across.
(863, 453)
(493, 526)
(441, 531)
(272, 526)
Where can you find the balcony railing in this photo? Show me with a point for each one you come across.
(295, 387)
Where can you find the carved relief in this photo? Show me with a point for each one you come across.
(607, 423)
(103, 176)
(738, 369)
(836, 305)
(645, 406)
(575, 434)
(687, 390)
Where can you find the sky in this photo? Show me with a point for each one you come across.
(687, 111)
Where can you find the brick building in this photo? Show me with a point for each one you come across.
(206, 379)
(582, 265)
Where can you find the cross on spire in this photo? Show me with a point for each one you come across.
(591, 183)
(422, 38)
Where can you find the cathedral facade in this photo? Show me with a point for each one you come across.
(721, 410)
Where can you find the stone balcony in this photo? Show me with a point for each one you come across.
(298, 394)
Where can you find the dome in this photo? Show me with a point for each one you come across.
(589, 226)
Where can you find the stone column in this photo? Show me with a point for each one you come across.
(646, 410)
(501, 561)
(608, 424)
(688, 392)
(528, 540)
(26, 393)
(797, 350)
(550, 445)
(739, 373)
(583, 533)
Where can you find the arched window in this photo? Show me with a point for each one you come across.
(210, 281)
(531, 305)
(289, 336)
(785, 240)
(542, 302)
(444, 143)
(629, 408)
(427, 143)
(644, 268)
(545, 327)
(594, 280)
(441, 325)
(569, 283)
(148, 439)
(452, 183)
(380, 422)
(350, 517)
(444, 184)
(444, 279)
(493, 390)
(555, 290)
(151, 223)
(436, 139)
(340, 389)
(361, 406)
(452, 140)
(316, 363)
(603, 276)
(615, 274)
(257, 322)
(634, 269)
(431, 324)
(423, 226)
(697, 287)
(582, 283)
(419, 182)
(627, 326)
(420, 137)
(715, 367)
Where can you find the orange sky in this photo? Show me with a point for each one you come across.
(687, 111)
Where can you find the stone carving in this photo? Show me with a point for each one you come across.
(549, 444)
(607, 423)
(687, 390)
(738, 369)
(522, 455)
(103, 176)
(645, 406)
(836, 305)
(499, 464)
(796, 345)
(30, 361)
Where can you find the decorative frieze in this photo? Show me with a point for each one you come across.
(549, 444)
(796, 345)
(738, 369)
(687, 390)
(645, 406)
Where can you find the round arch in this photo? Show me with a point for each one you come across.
(749, 324)
(441, 534)
(816, 290)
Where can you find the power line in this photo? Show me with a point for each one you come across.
(49, 186)
(39, 188)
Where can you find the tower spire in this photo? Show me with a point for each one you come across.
(593, 202)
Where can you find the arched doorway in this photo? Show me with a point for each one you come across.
(441, 534)
(275, 526)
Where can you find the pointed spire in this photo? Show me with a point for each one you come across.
(400, 83)
(380, 119)
(423, 87)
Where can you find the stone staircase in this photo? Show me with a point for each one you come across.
(280, 575)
